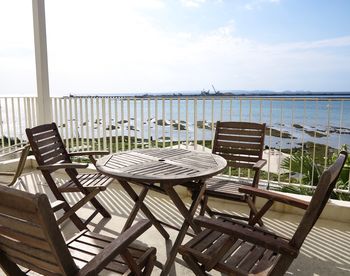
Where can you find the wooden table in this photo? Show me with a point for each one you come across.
(161, 170)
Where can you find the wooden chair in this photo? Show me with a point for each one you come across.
(235, 248)
(242, 145)
(30, 238)
(21, 164)
(51, 155)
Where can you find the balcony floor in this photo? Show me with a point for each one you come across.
(325, 251)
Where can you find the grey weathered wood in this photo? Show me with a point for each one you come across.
(33, 241)
(241, 144)
(20, 167)
(161, 170)
(272, 197)
(161, 165)
(51, 155)
(235, 248)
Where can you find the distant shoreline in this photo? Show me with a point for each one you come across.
(222, 94)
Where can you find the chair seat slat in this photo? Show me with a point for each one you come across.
(252, 258)
(89, 181)
(49, 254)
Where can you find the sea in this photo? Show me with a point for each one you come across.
(293, 117)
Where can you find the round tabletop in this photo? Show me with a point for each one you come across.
(161, 165)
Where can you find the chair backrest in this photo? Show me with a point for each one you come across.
(29, 235)
(319, 199)
(47, 144)
(240, 143)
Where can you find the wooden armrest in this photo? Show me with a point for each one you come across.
(80, 153)
(249, 234)
(7, 173)
(57, 205)
(16, 150)
(114, 248)
(275, 197)
(259, 164)
(54, 167)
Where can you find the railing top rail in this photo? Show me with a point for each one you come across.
(17, 97)
(200, 97)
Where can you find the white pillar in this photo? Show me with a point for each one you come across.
(42, 74)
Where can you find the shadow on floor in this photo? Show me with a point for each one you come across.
(324, 252)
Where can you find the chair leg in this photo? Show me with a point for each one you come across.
(193, 265)
(254, 213)
(74, 218)
(281, 266)
(205, 207)
(58, 195)
(21, 182)
(149, 265)
(100, 208)
(261, 213)
(209, 211)
(204, 204)
(9, 267)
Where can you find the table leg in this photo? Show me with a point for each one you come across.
(144, 209)
(188, 221)
(135, 209)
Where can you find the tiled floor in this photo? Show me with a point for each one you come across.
(326, 251)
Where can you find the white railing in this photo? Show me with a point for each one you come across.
(312, 127)
(16, 113)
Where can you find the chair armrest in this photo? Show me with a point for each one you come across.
(116, 247)
(54, 167)
(90, 154)
(275, 197)
(7, 173)
(80, 153)
(259, 164)
(16, 150)
(249, 234)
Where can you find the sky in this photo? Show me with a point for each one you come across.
(146, 46)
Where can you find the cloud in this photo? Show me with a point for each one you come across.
(343, 41)
(257, 4)
(149, 59)
(192, 3)
(116, 47)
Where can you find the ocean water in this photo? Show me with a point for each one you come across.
(329, 118)
(143, 117)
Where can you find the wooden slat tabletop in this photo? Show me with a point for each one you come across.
(161, 165)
